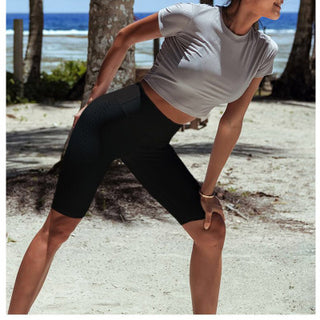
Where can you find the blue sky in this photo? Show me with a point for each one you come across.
(15, 6)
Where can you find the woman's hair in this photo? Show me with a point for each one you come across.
(228, 3)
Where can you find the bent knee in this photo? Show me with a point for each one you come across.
(58, 235)
(58, 227)
(213, 237)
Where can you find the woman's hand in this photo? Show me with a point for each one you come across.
(77, 115)
(209, 206)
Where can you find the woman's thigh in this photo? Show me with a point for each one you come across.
(166, 178)
(101, 134)
(102, 125)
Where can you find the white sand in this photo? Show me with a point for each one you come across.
(268, 261)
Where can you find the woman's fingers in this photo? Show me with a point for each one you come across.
(220, 212)
(76, 118)
(75, 121)
(77, 115)
(207, 220)
(211, 206)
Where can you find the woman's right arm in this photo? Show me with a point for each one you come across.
(138, 31)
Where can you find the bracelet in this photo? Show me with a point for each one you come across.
(206, 196)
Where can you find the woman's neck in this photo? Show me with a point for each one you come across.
(238, 18)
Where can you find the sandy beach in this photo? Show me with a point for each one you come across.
(141, 265)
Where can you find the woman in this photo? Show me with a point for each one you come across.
(211, 55)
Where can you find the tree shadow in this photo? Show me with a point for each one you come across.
(271, 99)
(43, 140)
(120, 196)
(28, 149)
(240, 149)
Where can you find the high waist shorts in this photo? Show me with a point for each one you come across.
(125, 124)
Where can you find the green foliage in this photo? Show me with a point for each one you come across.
(69, 72)
(9, 239)
(245, 194)
(53, 86)
(232, 189)
(12, 90)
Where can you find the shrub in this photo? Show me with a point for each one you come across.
(54, 85)
(12, 90)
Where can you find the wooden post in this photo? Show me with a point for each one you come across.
(156, 48)
(18, 53)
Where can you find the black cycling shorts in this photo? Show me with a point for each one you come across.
(125, 124)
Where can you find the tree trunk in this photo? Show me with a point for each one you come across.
(209, 2)
(106, 18)
(33, 54)
(313, 60)
(297, 82)
(313, 56)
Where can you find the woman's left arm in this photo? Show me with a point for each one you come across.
(226, 137)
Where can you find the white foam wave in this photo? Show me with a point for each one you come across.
(283, 31)
(54, 32)
(85, 32)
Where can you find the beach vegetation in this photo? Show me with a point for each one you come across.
(23, 118)
(13, 87)
(68, 72)
(51, 86)
(245, 194)
(9, 239)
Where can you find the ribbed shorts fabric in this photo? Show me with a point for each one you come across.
(125, 124)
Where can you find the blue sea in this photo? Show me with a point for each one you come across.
(65, 38)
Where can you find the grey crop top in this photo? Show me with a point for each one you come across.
(202, 63)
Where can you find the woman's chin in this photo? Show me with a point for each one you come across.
(274, 16)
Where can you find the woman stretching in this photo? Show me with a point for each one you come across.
(210, 56)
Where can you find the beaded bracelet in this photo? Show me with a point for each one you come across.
(206, 196)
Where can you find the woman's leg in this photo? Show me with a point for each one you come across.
(166, 178)
(37, 260)
(74, 192)
(206, 264)
(87, 157)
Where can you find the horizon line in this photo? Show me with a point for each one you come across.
(88, 12)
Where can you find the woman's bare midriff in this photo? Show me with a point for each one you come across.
(166, 108)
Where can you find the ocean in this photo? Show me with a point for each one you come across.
(65, 38)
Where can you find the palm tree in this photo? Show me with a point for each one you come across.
(298, 80)
(32, 59)
(106, 18)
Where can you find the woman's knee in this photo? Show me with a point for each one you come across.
(58, 227)
(213, 237)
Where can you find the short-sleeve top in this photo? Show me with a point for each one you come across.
(202, 63)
